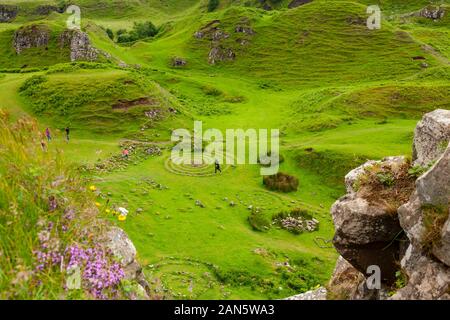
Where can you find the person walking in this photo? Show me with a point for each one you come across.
(217, 167)
(48, 135)
(67, 134)
(126, 153)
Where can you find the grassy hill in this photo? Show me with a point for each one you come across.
(338, 92)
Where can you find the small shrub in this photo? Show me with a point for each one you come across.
(211, 91)
(258, 221)
(281, 182)
(110, 33)
(417, 171)
(386, 179)
(212, 5)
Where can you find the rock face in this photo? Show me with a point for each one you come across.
(79, 44)
(32, 36)
(432, 136)
(123, 249)
(8, 13)
(365, 231)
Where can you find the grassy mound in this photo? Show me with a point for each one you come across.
(101, 101)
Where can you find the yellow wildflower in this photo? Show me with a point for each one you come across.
(93, 188)
(122, 217)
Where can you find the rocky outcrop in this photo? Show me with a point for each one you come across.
(32, 36)
(117, 241)
(220, 54)
(431, 137)
(79, 44)
(366, 228)
(8, 13)
(367, 232)
(432, 12)
(222, 49)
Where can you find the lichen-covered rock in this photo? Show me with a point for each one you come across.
(345, 281)
(116, 240)
(434, 186)
(432, 136)
(427, 279)
(79, 44)
(8, 13)
(32, 36)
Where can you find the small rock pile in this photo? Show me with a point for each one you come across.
(298, 224)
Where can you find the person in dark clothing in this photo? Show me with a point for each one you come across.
(67, 134)
(217, 167)
(48, 134)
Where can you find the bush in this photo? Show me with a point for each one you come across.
(258, 221)
(110, 33)
(212, 5)
(281, 182)
(141, 30)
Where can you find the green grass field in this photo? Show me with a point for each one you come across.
(339, 93)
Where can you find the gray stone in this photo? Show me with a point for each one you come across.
(432, 136)
(434, 186)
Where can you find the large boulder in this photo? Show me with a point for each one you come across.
(32, 36)
(366, 223)
(431, 137)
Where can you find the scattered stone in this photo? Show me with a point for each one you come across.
(232, 204)
(198, 203)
